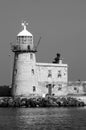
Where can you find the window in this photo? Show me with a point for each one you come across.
(24, 39)
(20, 39)
(59, 74)
(31, 56)
(34, 88)
(53, 94)
(32, 71)
(59, 88)
(75, 88)
(30, 36)
(64, 73)
(15, 72)
(49, 73)
(28, 47)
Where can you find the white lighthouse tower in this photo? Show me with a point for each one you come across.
(24, 77)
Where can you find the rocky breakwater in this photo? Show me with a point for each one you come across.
(40, 102)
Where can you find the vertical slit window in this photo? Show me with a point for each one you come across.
(34, 88)
(15, 71)
(32, 71)
(31, 56)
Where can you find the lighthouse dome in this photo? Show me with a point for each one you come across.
(24, 32)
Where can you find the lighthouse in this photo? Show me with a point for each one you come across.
(31, 78)
(24, 77)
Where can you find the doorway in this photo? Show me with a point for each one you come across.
(50, 89)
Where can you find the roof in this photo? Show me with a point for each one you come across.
(24, 32)
(51, 65)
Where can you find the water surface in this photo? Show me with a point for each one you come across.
(43, 118)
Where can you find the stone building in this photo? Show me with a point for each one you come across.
(31, 77)
(76, 87)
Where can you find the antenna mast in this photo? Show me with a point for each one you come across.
(38, 43)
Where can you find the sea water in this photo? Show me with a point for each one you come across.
(43, 118)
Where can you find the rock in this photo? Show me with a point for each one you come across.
(23, 102)
(40, 102)
(11, 102)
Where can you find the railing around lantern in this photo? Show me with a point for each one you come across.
(18, 48)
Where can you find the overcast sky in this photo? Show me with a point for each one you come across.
(60, 23)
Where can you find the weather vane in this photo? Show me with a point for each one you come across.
(24, 24)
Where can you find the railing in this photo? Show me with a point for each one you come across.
(18, 48)
(15, 48)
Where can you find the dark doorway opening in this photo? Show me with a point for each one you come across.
(50, 89)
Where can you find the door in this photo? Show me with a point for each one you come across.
(50, 89)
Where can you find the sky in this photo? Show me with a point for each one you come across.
(60, 23)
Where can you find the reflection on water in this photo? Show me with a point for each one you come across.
(43, 118)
